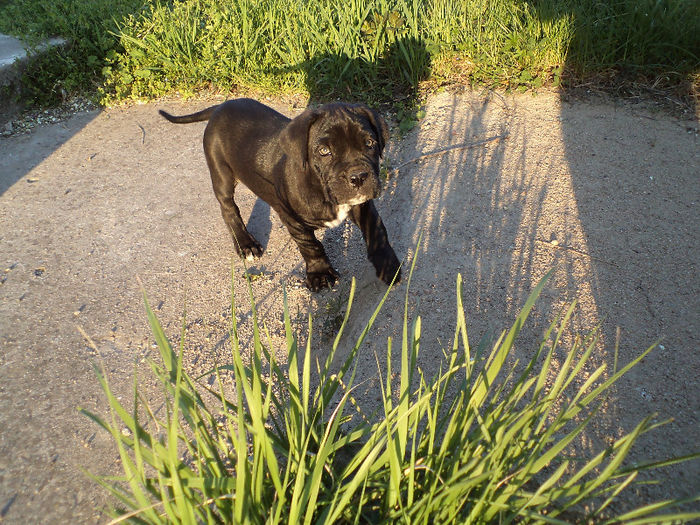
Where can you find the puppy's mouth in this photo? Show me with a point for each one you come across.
(368, 191)
(361, 200)
(353, 198)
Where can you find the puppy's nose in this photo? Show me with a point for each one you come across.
(358, 179)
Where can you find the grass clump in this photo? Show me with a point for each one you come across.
(88, 26)
(376, 50)
(476, 443)
(381, 50)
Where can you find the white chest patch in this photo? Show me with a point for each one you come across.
(343, 211)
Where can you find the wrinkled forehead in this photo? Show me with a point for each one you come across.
(342, 126)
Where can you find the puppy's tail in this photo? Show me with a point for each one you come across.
(186, 119)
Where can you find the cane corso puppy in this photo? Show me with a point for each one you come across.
(314, 171)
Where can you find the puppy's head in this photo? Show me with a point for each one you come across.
(341, 145)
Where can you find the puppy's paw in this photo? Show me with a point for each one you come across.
(249, 249)
(316, 281)
(387, 266)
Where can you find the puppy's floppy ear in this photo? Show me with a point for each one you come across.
(295, 136)
(379, 124)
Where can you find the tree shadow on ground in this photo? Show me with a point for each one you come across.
(632, 173)
(584, 189)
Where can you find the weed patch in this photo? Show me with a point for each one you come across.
(376, 51)
(88, 26)
(477, 443)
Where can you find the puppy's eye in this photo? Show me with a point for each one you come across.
(324, 151)
(370, 143)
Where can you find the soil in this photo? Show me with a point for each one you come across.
(98, 206)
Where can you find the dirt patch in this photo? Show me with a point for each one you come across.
(606, 194)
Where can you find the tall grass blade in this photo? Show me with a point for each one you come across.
(470, 444)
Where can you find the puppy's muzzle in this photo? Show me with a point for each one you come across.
(362, 176)
(358, 179)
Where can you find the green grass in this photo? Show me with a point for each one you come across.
(362, 49)
(378, 49)
(89, 26)
(479, 442)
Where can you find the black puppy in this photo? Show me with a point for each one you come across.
(314, 171)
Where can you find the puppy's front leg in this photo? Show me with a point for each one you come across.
(379, 251)
(319, 272)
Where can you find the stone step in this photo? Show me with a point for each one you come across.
(13, 55)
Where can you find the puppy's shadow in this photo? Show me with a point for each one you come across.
(260, 223)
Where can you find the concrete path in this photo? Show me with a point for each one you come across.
(95, 206)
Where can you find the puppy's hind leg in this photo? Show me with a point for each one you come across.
(224, 184)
